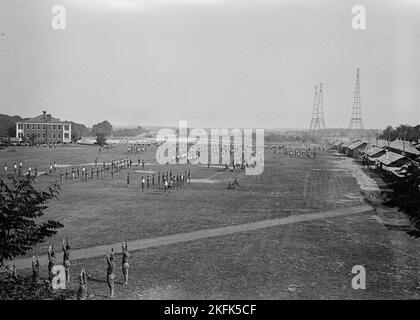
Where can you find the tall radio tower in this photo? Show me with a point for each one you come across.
(356, 115)
(317, 121)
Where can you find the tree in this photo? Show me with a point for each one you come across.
(21, 205)
(104, 128)
(78, 131)
(100, 139)
(11, 131)
(32, 139)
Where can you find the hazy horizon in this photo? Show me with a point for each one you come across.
(213, 63)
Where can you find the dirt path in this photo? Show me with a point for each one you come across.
(200, 234)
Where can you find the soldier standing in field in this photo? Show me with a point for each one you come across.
(165, 182)
(66, 258)
(82, 292)
(110, 276)
(35, 268)
(125, 265)
(51, 259)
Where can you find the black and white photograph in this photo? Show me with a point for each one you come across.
(216, 150)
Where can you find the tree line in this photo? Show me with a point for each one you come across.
(402, 132)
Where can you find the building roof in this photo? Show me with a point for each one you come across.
(356, 144)
(400, 145)
(44, 118)
(374, 151)
(390, 157)
(348, 143)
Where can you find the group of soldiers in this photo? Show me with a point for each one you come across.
(98, 171)
(166, 179)
(302, 153)
(18, 171)
(82, 292)
(136, 149)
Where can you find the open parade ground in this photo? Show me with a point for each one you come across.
(294, 232)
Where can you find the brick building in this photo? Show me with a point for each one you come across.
(44, 129)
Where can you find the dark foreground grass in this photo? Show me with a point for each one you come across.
(23, 288)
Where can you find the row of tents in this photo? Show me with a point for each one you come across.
(390, 156)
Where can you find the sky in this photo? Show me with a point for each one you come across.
(213, 63)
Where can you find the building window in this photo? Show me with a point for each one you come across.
(33, 127)
(27, 135)
(66, 127)
(59, 127)
(20, 126)
(38, 135)
(27, 126)
(43, 127)
(39, 126)
(43, 136)
(53, 126)
(53, 135)
(66, 135)
(59, 136)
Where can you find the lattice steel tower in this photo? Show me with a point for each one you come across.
(356, 115)
(317, 121)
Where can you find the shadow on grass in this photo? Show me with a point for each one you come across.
(104, 281)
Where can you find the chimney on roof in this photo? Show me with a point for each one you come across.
(44, 112)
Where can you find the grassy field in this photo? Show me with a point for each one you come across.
(106, 211)
(306, 260)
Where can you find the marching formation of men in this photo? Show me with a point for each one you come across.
(166, 179)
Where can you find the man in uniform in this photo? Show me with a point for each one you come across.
(110, 276)
(66, 258)
(51, 259)
(125, 265)
(165, 182)
(35, 268)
